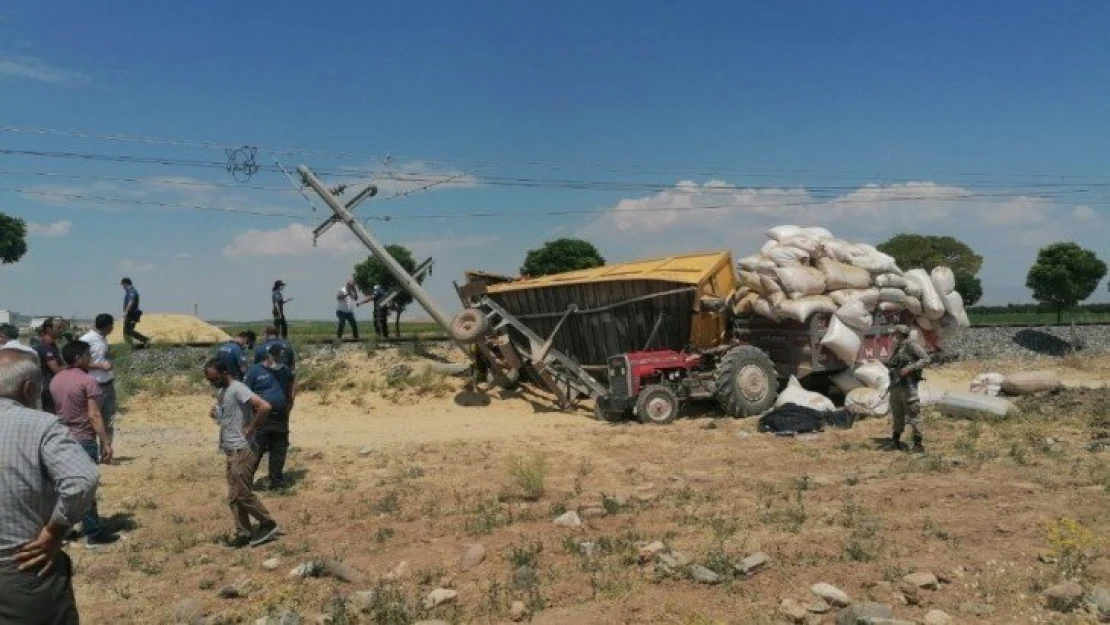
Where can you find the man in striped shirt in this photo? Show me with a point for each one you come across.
(47, 482)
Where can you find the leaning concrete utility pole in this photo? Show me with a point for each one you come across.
(343, 214)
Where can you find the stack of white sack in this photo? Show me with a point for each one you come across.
(866, 387)
(803, 271)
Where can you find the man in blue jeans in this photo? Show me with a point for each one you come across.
(77, 400)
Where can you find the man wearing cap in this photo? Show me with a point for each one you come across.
(906, 364)
(132, 314)
(278, 302)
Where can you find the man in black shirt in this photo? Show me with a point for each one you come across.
(50, 358)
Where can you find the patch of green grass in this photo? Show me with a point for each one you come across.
(528, 475)
(525, 555)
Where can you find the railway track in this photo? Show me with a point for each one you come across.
(394, 342)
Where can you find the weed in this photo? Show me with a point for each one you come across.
(319, 375)
(389, 503)
(525, 555)
(1072, 544)
(141, 502)
(487, 516)
(791, 516)
(1018, 455)
(557, 508)
(495, 600)
(930, 529)
(428, 578)
(720, 563)
(612, 505)
(528, 475)
(384, 534)
(390, 606)
(861, 545)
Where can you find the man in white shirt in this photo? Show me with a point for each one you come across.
(9, 339)
(345, 309)
(100, 368)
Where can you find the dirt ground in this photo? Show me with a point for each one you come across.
(386, 474)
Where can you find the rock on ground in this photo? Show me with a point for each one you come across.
(831, 593)
(793, 611)
(651, 551)
(1064, 597)
(972, 608)
(937, 617)
(272, 564)
(864, 612)
(474, 554)
(188, 612)
(438, 597)
(1099, 598)
(569, 519)
(702, 575)
(362, 601)
(518, 611)
(922, 580)
(753, 563)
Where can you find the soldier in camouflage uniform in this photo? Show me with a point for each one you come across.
(905, 365)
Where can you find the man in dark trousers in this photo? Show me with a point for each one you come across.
(274, 382)
(132, 314)
(278, 302)
(50, 357)
(47, 482)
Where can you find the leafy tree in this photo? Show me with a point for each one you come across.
(559, 256)
(1064, 275)
(13, 239)
(373, 271)
(928, 251)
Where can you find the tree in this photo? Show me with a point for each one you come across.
(372, 271)
(559, 256)
(13, 239)
(928, 251)
(1064, 275)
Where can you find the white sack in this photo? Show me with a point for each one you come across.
(867, 402)
(1028, 382)
(751, 280)
(837, 250)
(843, 341)
(925, 323)
(769, 285)
(913, 305)
(873, 374)
(962, 404)
(892, 295)
(802, 308)
(931, 303)
(779, 233)
(856, 314)
(805, 242)
(795, 394)
(749, 263)
(989, 384)
(846, 381)
(874, 261)
(944, 281)
(954, 305)
(890, 280)
(842, 275)
(913, 289)
(817, 232)
(768, 246)
(889, 307)
(764, 308)
(869, 297)
(744, 304)
(787, 256)
(801, 281)
(929, 396)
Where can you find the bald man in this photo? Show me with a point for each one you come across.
(47, 482)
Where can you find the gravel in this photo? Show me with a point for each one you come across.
(1033, 342)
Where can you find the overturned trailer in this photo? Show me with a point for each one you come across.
(660, 304)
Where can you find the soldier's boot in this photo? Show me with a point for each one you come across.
(896, 442)
(918, 444)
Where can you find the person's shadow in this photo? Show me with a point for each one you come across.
(1042, 342)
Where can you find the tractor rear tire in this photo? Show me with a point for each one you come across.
(657, 405)
(746, 383)
(469, 325)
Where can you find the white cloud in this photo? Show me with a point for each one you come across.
(1019, 211)
(1083, 213)
(128, 265)
(32, 68)
(293, 240)
(184, 255)
(56, 229)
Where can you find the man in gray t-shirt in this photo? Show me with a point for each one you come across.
(239, 413)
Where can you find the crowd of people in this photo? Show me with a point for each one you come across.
(58, 401)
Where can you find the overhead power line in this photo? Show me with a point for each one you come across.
(151, 203)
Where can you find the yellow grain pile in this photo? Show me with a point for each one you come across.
(163, 328)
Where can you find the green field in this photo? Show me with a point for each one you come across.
(1034, 318)
(307, 330)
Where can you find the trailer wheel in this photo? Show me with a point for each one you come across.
(746, 382)
(657, 405)
(469, 325)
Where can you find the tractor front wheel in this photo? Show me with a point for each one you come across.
(469, 325)
(746, 383)
(657, 405)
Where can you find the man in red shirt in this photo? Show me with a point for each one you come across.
(76, 398)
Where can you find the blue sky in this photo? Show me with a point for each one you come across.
(978, 119)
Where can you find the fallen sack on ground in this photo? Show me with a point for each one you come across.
(965, 404)
(1029, 382)
(791, 417)
(929, 396)
(868, 402)
(989, 384)
(873, 374)
(846, 381)
(795, 394)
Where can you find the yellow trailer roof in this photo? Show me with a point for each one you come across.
(693, 268)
